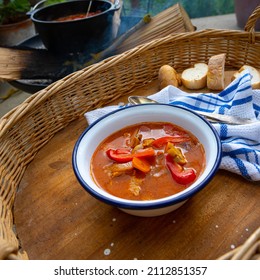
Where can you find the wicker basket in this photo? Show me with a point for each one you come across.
(250, 250)
(28, 127)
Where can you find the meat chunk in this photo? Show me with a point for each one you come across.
(135, 185)
(117, 169)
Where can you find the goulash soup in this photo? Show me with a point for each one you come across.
(148, 161)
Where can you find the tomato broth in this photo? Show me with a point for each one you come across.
(148, 161)
(78, 16)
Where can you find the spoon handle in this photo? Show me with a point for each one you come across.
(212, 117)
(89, 6)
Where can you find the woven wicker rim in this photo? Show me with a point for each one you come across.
(28, 127)
(249, 250)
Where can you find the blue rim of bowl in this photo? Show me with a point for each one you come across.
(130, 204)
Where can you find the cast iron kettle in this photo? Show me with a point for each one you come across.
(90, 34)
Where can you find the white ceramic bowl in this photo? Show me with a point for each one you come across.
(103, 127)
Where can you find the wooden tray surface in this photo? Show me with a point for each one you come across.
(56, 218)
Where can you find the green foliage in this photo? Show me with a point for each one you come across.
(13, 10)
(50, 2)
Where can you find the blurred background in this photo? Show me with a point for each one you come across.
(195, 8)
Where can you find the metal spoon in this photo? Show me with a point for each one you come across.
(212, 117)
(89, 6)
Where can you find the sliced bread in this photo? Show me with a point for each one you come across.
(255, 75)
(195, 77)
(216, 72)
(168, 76)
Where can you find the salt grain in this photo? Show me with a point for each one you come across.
(232, 246)
(216, 226)
(112, 244)
(107, 252)
(114, 219)
(174, 222)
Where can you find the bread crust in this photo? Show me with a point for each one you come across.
(168, 76)
(216, 72)
(195, 77)
(255, 75)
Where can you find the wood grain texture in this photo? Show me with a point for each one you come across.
(29, 64)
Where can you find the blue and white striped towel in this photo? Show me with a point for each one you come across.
(240, 143)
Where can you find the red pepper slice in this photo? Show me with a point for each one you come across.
(180, 175)
(160, 142)
(120, 155)
(125, 155)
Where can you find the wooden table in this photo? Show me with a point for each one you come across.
(57, 219)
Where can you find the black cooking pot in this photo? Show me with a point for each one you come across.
(91, 34)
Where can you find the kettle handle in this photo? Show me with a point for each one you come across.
(34, 8)
(116, 6)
